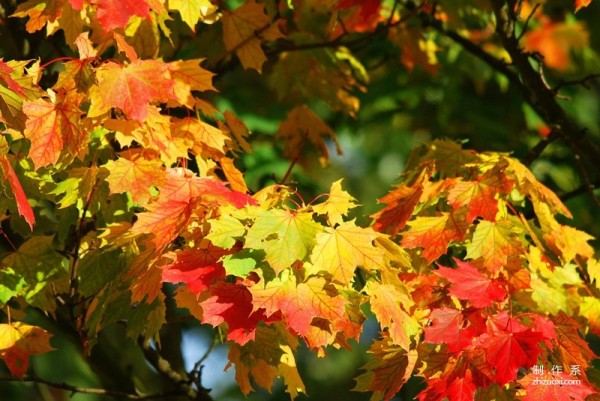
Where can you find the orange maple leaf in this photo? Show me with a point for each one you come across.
(131, 88)
(50, 127)
(434, 234)
(555, 41)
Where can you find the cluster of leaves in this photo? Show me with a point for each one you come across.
(121, 177)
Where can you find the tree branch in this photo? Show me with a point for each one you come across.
(93, 390)
(181, 379)
(536, 92)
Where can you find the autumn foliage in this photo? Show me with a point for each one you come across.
(121, 176)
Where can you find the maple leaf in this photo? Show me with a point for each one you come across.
(113, 14)
(542, 387)
(39, 12)
(225, 230)
(243, 31)
(85, 47)
(8, 173)
(535, 190)
(205, 137)
(388, 369)
(164, 223)
(462, 388)
(400, 204)
(337, 205)
(232, 304)
(495, 242)
(185, 298)
(70, 21)
(188, 76)
(579, 4)
(79, 184)
(555, 41)
(573, 349)
(131, 88)
(434, 234)
(417, 50)
(18, 341)
(183, 185)
(310, 309)
(479, 196)
(447, 327)
(192, 11)
(263, 359)
(133, 173)
(197, 267)
(5, 71)
(285, 236)
(302, 124)
(590, 310)
(51, 127)
(234, 176)
(389, 305)
(367, 7)
(507, 352)
(340, 250)
(470, 284)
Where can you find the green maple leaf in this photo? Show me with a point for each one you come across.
(285, 236)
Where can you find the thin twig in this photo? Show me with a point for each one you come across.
(537, 150)
(583, 82)
(93, 390)
(294, 160)
(535, 8)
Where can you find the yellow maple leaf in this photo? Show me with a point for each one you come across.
(339, 251)
(188, 76)
(244, 29)
(18, 341)
(192, 11)
(337, 205)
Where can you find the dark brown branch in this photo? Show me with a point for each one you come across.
(535, 90)
(93, 390)
(537, 150)
(180, 379)
(582, 81)
(583, 189)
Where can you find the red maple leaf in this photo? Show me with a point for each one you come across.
(470, 284)
(114, 14)
(5, 71)
(183, 184)
(462, 388)
(197, 267)
(507, 352)
(437, 390)
(23, 206)
(232, 304)
(450, 326)
(368, 7)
